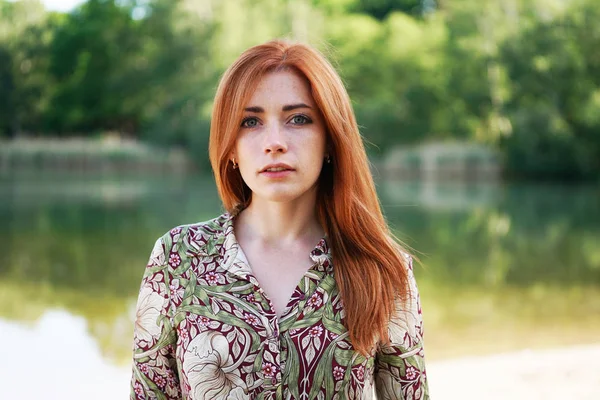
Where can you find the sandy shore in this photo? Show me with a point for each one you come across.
(63, 361)
(565, 374)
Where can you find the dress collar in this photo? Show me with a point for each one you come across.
(234, 260)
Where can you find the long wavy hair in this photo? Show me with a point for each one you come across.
(370, 269)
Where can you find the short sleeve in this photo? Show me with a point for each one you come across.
(400, 364)
(154, 374)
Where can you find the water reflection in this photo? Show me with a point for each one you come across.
(440, 196)
(55, 356)
(504, 266)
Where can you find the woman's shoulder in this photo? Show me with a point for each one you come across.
(195, 237)
(404, 254)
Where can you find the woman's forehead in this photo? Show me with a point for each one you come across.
(284, 87)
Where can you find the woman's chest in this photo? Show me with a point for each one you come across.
(231, 342)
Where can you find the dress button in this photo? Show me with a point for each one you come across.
(274, 381)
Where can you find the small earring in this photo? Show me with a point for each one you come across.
(234, 163)
(328, 159)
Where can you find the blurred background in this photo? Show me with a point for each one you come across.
(482, 121)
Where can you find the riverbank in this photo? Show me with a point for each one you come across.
(561, 373)
(106, 154)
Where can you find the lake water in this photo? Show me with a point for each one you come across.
(503, 267)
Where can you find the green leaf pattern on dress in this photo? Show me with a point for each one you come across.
(205, 329)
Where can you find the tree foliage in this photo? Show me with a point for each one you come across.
(523, 76)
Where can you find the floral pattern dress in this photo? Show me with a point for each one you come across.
(204, 329)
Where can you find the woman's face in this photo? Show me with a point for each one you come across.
(281, 141)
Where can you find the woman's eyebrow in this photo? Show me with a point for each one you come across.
(289, 107)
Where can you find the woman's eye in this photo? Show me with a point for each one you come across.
(249, 123)
(300, 120)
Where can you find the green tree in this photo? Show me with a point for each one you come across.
(555, 102)
(179, 76)
(23, 35)
(88, 54)
(380, 9)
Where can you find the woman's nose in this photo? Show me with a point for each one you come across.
(275, 139)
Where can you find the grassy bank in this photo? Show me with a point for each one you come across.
(104, 155)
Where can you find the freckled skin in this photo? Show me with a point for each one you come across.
(294, 137)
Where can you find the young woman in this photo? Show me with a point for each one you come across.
(299, 290)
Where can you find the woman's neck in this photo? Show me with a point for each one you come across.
(279, 222)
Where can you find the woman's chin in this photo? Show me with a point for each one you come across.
(281, 196)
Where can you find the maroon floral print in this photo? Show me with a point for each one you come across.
(204, 329)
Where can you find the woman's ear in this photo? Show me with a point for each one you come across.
(233, 161)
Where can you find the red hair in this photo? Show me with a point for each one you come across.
(370, 270)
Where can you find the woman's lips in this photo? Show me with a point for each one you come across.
(277, 173)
